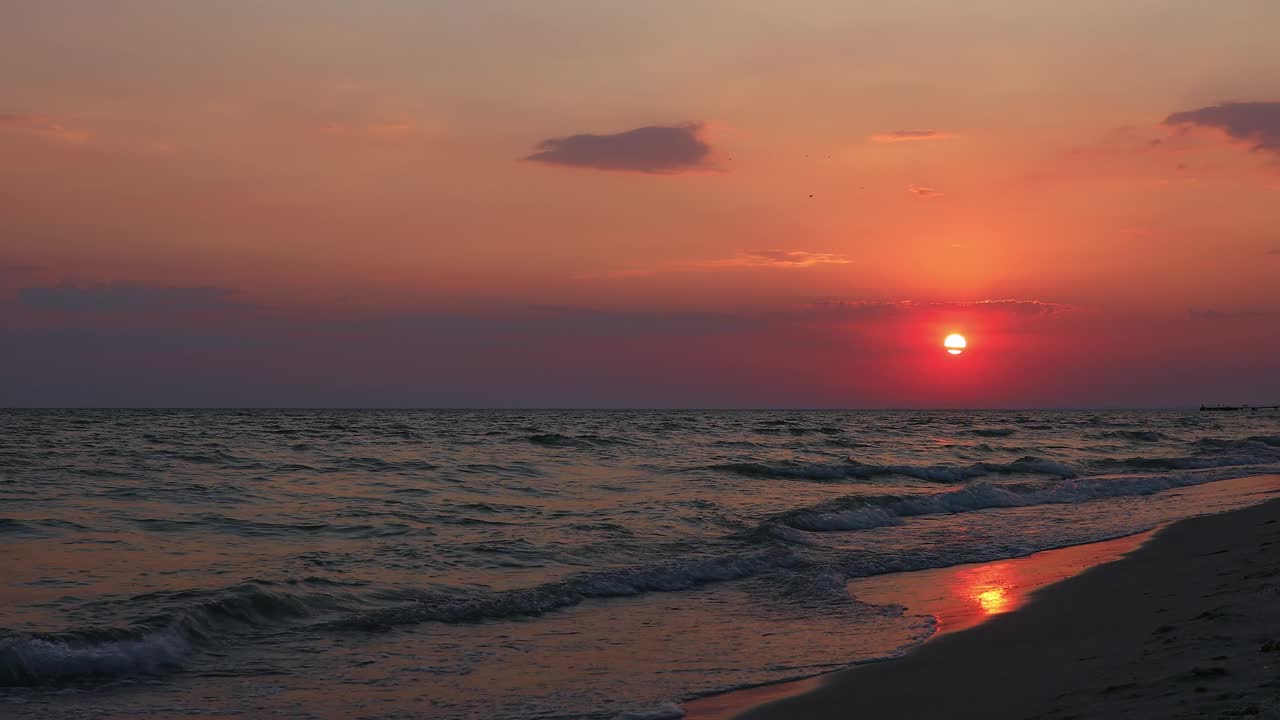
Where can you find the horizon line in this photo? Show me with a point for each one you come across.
(587, 408)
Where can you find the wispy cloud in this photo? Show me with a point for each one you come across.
(779, 259)
(560, 321)
(743, 259)
(655, 150)
(1255, 123)
(923, 191)
(1212, 314)
(1017, 307)
(126, 298)
(876, 308)
(374, 130)
(44, 126)
(897, 136)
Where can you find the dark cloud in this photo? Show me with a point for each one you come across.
(1257, 123)
(657, 150)
(555, 321)
(1211, 314)
(125, 298)
(1274, 251)
(12, 270)
(910, 136)
(11, 276)
(858, 309)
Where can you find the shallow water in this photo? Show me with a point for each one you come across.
(531, 564)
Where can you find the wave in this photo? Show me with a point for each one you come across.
(860, 513)
(1253, 441)
(260, 528)
(9, 526)
(45, 659)
(1209, 453)
(555, 439)
(798, 430)
(993, 432)
(195, 619)
(373, 464)
(1213, 453)
(850, 469)
(192, 621)
(1148, 436)
(540, 599)
(790, 528)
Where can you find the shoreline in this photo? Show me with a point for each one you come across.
(1080, 646)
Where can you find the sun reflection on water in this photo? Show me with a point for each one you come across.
(990, 587)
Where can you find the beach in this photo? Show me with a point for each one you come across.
(1185, 626)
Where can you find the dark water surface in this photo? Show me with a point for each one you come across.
(547, 564)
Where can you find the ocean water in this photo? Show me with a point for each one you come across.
(531, 564)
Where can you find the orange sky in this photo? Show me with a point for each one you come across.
(607, 186)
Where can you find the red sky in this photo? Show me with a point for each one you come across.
(579, 203)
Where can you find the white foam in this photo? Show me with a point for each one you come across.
(36, 660)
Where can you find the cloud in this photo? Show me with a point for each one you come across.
(10, 270)
(859, 309)
(910, 136)
(1211, 314)
(11, 275)
(558, 321)
(42, 126)
(1016, 307)
(866, 309)
(924, 192)
(375, 130)
(780, 259)
(126, 298)
(1255, 123)
(655, 149)
(1274, 251)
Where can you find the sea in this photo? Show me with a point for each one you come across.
(512, 565)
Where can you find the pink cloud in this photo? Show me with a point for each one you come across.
(876, 309)
(897, 136)
(772, 259)
(924, 192)
(43, 126)
(777, 259)
(374, 130)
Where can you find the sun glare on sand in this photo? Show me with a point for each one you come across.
(955, 344)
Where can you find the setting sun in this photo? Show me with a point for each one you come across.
(955, 343)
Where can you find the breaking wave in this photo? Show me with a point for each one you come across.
(858, 513)
(851, 469)
(163, 643)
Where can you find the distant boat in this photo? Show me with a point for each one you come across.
(1235, 408)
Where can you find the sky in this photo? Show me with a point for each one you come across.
(577, 203)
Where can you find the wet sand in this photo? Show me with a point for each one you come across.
(1185, 626)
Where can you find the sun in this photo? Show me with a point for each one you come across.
(955, 343)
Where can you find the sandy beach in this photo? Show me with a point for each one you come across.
(1185, 626)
